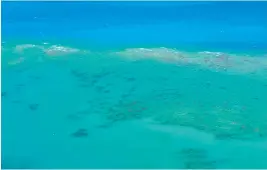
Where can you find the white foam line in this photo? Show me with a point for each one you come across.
(210, 60)
(53, 50)
(22, 47)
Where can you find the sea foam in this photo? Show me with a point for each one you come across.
(53, 50)
(20, 48)
(216, 61)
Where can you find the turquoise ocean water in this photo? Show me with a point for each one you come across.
(134, 85)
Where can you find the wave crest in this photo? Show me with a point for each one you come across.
(60, 50)
(20, 48)
(216, 61)
(53, 50)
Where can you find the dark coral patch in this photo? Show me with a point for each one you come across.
(3, 94)
(33, 107)
(222, 88)
(130, 79)
(106, 91)
(80, 133)
(100, 88)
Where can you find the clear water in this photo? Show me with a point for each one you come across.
(134, 85)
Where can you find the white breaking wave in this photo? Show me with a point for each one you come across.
(215, 61)
(211, 60)
(53, 50)
(22, 47)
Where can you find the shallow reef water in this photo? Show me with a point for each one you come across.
(133, 90)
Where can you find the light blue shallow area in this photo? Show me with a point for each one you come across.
(96, 107)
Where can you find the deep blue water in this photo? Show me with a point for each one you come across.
(226, 25)
(134, 85)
